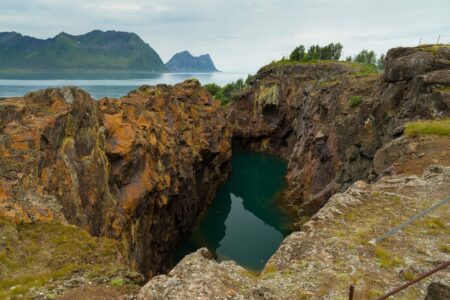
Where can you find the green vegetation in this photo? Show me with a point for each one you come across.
(408, 275)
(368, 57)
(433, 48)
(445, 89)
(96, 50)
(444, 248)
(37, 253)
(385, 258)
(228, 92)
(428, 127)
(381, 62)
(354, 101)
(118, 282)
(329, 52)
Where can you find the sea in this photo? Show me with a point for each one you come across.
(104, 85)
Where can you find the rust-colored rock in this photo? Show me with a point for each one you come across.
(139, 169)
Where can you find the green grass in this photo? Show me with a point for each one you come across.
(433, 48)
(444, 248)
(409, 276)
(359, 69)
(117, 282)
(34, 254)
(429, 127)
(386, 259)
(354, 101)
(444, 89)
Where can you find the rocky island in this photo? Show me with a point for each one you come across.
(185, 62)
(94, 195)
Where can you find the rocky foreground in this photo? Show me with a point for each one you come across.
(332, 251)
(95, 194)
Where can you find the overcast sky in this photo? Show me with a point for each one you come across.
(240, 35)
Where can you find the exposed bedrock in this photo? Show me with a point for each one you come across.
(328, 119)
(139, 169)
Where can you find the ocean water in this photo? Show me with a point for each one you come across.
(244, 222)
(104, 85)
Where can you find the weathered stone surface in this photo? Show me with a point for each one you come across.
(438, 291)
(408, 155)
(407, 63)
(139, 169)
(197, 276)
(302, 113)
(332, 251)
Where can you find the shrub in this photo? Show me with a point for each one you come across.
(354, 101)
(226, 93)
(118, 282)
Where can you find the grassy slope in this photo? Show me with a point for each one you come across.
(34, 254)
(429, 127)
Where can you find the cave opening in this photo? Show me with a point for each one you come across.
(245, 222)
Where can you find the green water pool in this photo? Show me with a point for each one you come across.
(244, 222)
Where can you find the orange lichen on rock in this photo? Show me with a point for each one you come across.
(116, 167)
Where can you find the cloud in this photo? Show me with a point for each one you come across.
(241, 35)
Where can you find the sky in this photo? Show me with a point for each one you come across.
(240, 35)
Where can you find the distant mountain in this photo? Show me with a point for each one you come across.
(96, 50)
(186, 62)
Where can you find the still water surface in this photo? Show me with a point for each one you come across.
(244, 223)
(103, 85)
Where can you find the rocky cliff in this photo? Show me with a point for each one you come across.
(338, 123)
(329, 118)
(332, 251)
(139, 169)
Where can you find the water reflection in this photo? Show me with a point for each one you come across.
(243, 223)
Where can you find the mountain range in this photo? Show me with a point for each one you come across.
(93, 51)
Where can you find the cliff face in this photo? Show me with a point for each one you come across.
(139, 169)
(336, 123)
(329, 118)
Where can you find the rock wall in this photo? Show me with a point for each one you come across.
(329, 118)
(139, 169)
(333, 251)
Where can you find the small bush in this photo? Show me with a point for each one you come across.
(354, 101)
(430, 127)
(408, 275)
(118, 282)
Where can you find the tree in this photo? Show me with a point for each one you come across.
(298, 54)
(314, 52)
(380, 62)
(331, 51)
(348, 58)
(367, 57)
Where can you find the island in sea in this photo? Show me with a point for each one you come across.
(185, 62)
(96, 51)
